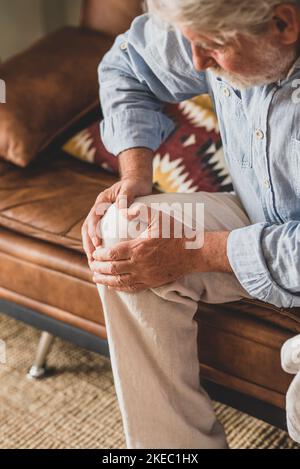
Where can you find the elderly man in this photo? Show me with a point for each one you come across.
(246, 56)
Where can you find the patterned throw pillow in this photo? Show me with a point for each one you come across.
(190, 160)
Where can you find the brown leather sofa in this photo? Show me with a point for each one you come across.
(45, 280)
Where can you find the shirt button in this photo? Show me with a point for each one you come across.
(124, 45)
(259, 134)
(267, 183)
(226, 92)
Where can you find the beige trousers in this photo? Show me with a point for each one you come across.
(152, 338)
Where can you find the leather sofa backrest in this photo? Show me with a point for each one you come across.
(112, 17)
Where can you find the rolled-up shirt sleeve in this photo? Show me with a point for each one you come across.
(266, 260)
(145, 69)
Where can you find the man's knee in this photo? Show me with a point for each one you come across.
(115, 227)
(108, 227)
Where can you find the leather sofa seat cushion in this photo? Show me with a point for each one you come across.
(50, 199)
(51, 87)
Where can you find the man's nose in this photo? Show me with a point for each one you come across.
(202, 59)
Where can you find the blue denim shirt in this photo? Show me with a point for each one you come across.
(260, 128)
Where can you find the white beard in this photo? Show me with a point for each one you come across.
(276, 63)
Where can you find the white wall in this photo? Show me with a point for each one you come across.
(23, 21)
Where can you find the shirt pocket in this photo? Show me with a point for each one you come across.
(294, 158)
(236, 136)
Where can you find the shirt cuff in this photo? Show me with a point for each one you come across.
(135, 128)
(245, 254)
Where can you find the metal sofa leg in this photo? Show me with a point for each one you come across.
(38, 369)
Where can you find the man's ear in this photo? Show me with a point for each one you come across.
(286, 23)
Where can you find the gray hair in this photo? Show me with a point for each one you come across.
(222, 18)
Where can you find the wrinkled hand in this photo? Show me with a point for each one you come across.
(147, 261)
(131, 187)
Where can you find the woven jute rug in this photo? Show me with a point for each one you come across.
(77, 408)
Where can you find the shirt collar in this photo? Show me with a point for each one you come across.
(295, 66)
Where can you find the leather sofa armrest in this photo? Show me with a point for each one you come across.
(111, 17)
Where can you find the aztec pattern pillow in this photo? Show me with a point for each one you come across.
(190, 160)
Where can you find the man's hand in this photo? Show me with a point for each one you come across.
(140, 264)
(152, 261)
(136, 180)
(131, 188)
(147, 261)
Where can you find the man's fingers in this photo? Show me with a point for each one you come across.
(132, 289)
(97, 242)
(137, 287)
(122, 281)
(125, 198)
(140, 211)
(101, 208)
(93, 232)
(150, 219)
(119, 252)
(87, 243)
(112, 268)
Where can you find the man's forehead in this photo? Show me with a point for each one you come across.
(194, 36)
